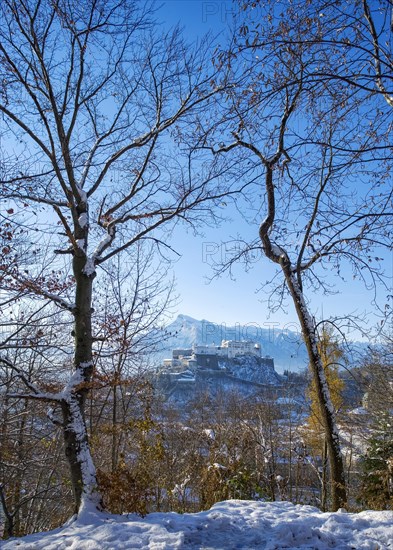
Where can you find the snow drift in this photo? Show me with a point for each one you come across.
(234, 524)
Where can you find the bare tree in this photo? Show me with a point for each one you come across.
(32, 465)
(130, 305)
(135, 299)
(93, 103)
(306, 140)
(377, 371)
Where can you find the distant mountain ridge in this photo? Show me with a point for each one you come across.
(284, 346)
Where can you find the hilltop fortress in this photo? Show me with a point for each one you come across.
(210, 356)
(232, 365)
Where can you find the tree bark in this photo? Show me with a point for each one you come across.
(324, 476)
(83, 473)
(337, 474)
(114, 428)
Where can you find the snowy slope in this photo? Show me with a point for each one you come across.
(230, 525)
(253, 369)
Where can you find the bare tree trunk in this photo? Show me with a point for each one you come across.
(324, 475)
(9, 517)
(337, 474)
(114, 428)
(83, 473)
(290, 474)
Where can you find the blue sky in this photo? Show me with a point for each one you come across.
(197, 16)
(238, 300)
(225, 300)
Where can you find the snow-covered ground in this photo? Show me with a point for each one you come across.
(229, 525)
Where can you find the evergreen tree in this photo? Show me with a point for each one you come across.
(377, 468)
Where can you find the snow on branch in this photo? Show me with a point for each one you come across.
(37, 288)
(58, 300)
(34, 392)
